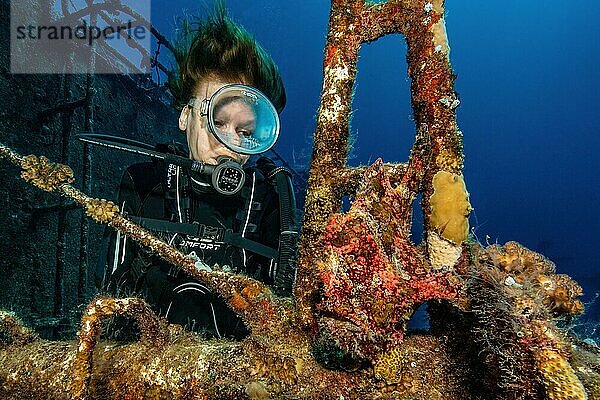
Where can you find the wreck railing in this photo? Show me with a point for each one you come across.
(438, 145)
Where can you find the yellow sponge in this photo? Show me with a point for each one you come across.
(450, 206)
(559, 379)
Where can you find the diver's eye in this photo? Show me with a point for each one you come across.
(219, 124)
(244, 132)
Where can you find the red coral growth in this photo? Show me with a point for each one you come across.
(374, 277)
(331, 52)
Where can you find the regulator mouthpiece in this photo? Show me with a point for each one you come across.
(227, 177)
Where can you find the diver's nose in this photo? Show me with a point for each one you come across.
(234, 136)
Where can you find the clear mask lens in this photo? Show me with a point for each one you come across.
(243, 119)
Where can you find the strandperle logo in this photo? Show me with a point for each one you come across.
(79, 36)
(82, 32)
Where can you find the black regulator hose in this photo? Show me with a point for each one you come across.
(289, 227)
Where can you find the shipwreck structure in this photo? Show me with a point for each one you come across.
(495, 311)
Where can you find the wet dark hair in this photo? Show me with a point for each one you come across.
(220, 48)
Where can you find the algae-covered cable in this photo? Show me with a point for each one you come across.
(249, 298)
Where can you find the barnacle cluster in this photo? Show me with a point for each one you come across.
(559, 293)
(388, 366)
(45, 174)
(282, 369)
(101, 210)
(13, 332)
(413, 369)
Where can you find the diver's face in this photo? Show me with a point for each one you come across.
(204, 147)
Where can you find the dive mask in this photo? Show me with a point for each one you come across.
(241, 117)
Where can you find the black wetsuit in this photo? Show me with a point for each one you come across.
(156, 193)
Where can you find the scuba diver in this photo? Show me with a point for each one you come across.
(214, 209)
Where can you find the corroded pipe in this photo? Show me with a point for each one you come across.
(154, 332)
(186, 368)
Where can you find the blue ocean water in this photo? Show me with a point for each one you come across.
(527, 80)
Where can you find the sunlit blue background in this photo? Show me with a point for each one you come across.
(528, 82)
